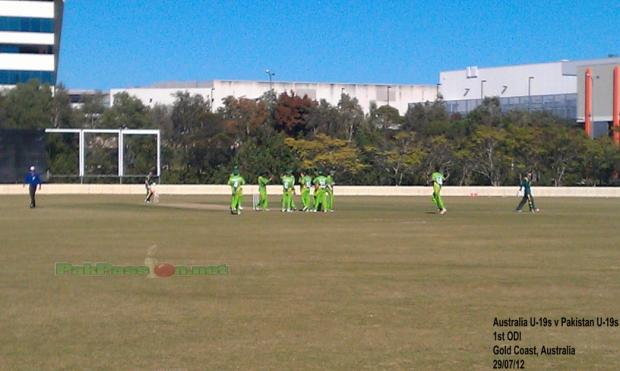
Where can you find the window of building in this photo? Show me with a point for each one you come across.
(24, 24)
(26, 49)
(18, 77)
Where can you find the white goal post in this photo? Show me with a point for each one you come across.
(121, 148)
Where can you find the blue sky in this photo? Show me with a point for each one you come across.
(124, 43)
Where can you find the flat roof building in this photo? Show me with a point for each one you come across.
(537, 87)
(29, 41)
(396, 95)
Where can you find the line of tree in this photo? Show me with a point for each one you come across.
(274, 133)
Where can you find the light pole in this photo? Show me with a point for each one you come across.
(271, 74)
(388, 95)
(212, 99)
(529, 92)
(482, 89)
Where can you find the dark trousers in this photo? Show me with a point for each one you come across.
(527, 198)
(33, 191)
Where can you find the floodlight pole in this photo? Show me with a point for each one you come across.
(529, 92)
(271, 74)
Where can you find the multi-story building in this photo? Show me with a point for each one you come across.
(396, 95)
(29, 41)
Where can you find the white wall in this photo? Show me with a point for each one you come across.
(449, 191)
(165, 96)
(27, 62)
(35, 9)
(30, 38)
(400, 95)
(548, 79)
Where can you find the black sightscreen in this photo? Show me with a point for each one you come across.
(20, 149)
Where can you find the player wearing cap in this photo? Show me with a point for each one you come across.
(34, 181)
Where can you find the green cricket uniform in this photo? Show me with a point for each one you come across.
(437, 184)
(236, 183)
(320, 188)
(306, 184)
(525, 185)
(288, 185)
(263, 201)
(329, 196)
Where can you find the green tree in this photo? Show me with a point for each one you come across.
(389, 117)
(403, 158)
(488, 154)
(126, 112)
(562, 149)
(266, 153)
(198, 148)
(328, 153)
(62, 113)
(91, 111)
(27, 106)
(351, 116)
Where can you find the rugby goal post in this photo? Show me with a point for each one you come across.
(121, 147)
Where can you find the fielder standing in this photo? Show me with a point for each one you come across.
(438, 179)
(236, 183)
(329, 194)
(263, 199)
(34, 181)
(305, 182)
(320, 186)
(150, 184)
(288, 191)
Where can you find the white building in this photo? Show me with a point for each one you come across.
(396, 95)
(544, 86)
(29, 41)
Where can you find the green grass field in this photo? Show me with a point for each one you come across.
(383, 283)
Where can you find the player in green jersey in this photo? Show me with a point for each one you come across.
(305, 182)
(320, 187)
(329, 192)
(525, 185)
(288, 191)
(263, 199)
(438, 179)
(236, 183)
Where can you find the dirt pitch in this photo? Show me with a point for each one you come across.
(383, 283)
